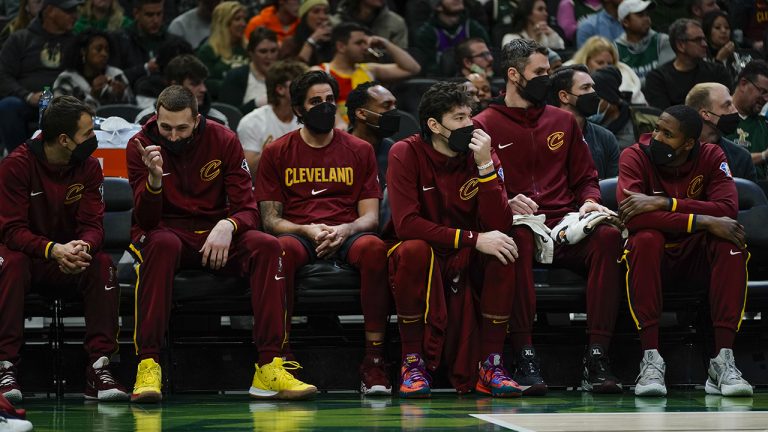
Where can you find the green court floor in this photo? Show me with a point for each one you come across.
(445, 411)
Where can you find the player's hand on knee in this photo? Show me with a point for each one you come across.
(522, 205)
(333, 241)
(215, 250)
(66, 257)
(498, 244)
(725, 228)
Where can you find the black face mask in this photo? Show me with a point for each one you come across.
(83, 150)
(177, 147)
(460, 138)
(727, 123)
(321, 118)
(662, 154)
(535, 89)
(587, 104)
(389, 123)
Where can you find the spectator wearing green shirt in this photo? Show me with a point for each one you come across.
(106, 15)
(750, 96)
(447, 27)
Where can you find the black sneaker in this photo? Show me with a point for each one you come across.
(597, 376)
(527, 373)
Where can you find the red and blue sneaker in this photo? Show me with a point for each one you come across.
(414, 378)
(494, 380)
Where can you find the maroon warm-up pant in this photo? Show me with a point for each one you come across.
(413, 272)
(700, 259)
(253, 255)
(368, 254)
(597, 256)
(97, 284)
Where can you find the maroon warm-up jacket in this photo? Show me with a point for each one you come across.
(544, 157)
(701, 186)
(207, 182)
(41, 203)
(440, 199)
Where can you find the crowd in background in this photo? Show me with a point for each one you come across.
(117, 52)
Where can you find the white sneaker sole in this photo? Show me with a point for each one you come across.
(377, 390)
(728, 390)
(111, 395)
(15, 425)
(13, 396)
(651, 390)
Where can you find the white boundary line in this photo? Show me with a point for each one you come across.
(490, 419)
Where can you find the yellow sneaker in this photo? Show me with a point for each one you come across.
(149, 381)
(273, 381)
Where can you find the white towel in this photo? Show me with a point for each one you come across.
(545, 247)
(573, 228)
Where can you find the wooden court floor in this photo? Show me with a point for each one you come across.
(682, 410)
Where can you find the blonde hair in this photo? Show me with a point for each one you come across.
(592, 47)
(220, 39)
(22, 19)
(116, 15)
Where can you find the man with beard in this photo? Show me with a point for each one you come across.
(51, 237)
(375, 15)
(548, 166)
(30, 59)
(448, 26)
(137, 46)
(373, 118)
(194, 209)
(352, 43)
(679, 202)
(318, 191)
(189, 72)
(571, 89)
(670, 83)
(750, 96)
(715, 106)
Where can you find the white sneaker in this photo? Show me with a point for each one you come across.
(14, 425)
(650, 381)
(724, 378)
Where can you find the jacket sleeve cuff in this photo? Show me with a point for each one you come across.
(48, 249)
(233, 222)
(464, 238)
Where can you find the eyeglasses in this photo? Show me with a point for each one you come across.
(698, 40)
(763, 91)
(486, 54)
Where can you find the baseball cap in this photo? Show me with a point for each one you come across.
(63, 4)
(306, 5)
(634, 6)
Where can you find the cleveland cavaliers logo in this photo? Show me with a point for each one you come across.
(469, 189)
(74, 193)
(555, 140)
(210, 170)
(695, 186)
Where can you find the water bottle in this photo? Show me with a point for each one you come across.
(45, 99)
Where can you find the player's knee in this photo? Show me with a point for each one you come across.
(415, 251)
(523, 237)
(373, 251)
(607, 238)
(648, 240)
(14, 260)
(261, 244)
(164, 243)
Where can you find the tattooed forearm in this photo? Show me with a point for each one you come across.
(271, 214)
